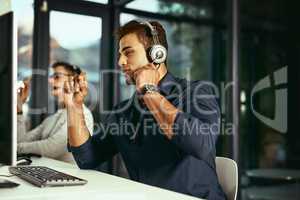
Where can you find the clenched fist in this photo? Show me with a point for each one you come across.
(146, 75)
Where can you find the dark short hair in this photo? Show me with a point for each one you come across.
(143, 33)
(72, 68)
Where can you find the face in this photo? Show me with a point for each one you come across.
(57, 80)
(132, 56)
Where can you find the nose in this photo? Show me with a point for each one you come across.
(122, 61)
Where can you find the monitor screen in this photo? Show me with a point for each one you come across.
(7, 89)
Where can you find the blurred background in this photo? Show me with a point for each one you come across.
(239, 41)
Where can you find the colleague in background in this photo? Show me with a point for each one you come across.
(49, 139)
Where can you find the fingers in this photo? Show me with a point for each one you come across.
(149, 66)
(20, 91)
(25, 90)
(77, 85)
(27, 81)
(83, 84)
(137, 72)
(78, 88)
(26, 84)
(82, 76)
(69, 86)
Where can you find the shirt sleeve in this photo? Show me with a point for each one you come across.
(97, 149)
(23, 135)
(196, 128)
(52, 146)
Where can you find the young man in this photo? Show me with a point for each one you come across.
(50, 137)
(159, 130)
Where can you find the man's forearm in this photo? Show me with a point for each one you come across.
(78, 132)
(163, 111)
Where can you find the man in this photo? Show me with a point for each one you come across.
(50, 137)
(157, 131)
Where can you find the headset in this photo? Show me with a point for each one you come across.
(157, 52)
(76, 69)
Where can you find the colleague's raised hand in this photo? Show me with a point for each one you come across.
(22, 94)
(75, 90)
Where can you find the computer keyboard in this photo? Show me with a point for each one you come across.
(45, 177)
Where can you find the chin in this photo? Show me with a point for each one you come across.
(56, 93)
(60, 101)
(53, 93)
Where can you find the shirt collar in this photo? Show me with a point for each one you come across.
(166, 84)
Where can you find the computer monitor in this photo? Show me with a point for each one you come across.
(8, 100)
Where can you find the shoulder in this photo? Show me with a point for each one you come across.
(204, 87)
(197, 86)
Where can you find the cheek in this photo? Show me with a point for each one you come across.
(138, 61)
(50, 83)
(60, 83)
(143, 57)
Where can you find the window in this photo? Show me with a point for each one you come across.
(24, 15)
(76, 39)
(177, 9)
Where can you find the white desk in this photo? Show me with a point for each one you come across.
(100, 186)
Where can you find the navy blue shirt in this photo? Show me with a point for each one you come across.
(184, 164)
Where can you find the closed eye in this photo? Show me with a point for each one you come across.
(128, 53)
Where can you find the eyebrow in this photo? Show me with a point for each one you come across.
(125, 48)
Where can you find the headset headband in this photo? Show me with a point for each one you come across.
(153, 31)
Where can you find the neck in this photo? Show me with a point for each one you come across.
(162, 70)
(60, 104)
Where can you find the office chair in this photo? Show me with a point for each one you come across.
(227, 172)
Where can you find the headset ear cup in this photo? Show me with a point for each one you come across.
(158, 54)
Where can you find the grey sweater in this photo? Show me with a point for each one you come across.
(49, 139)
